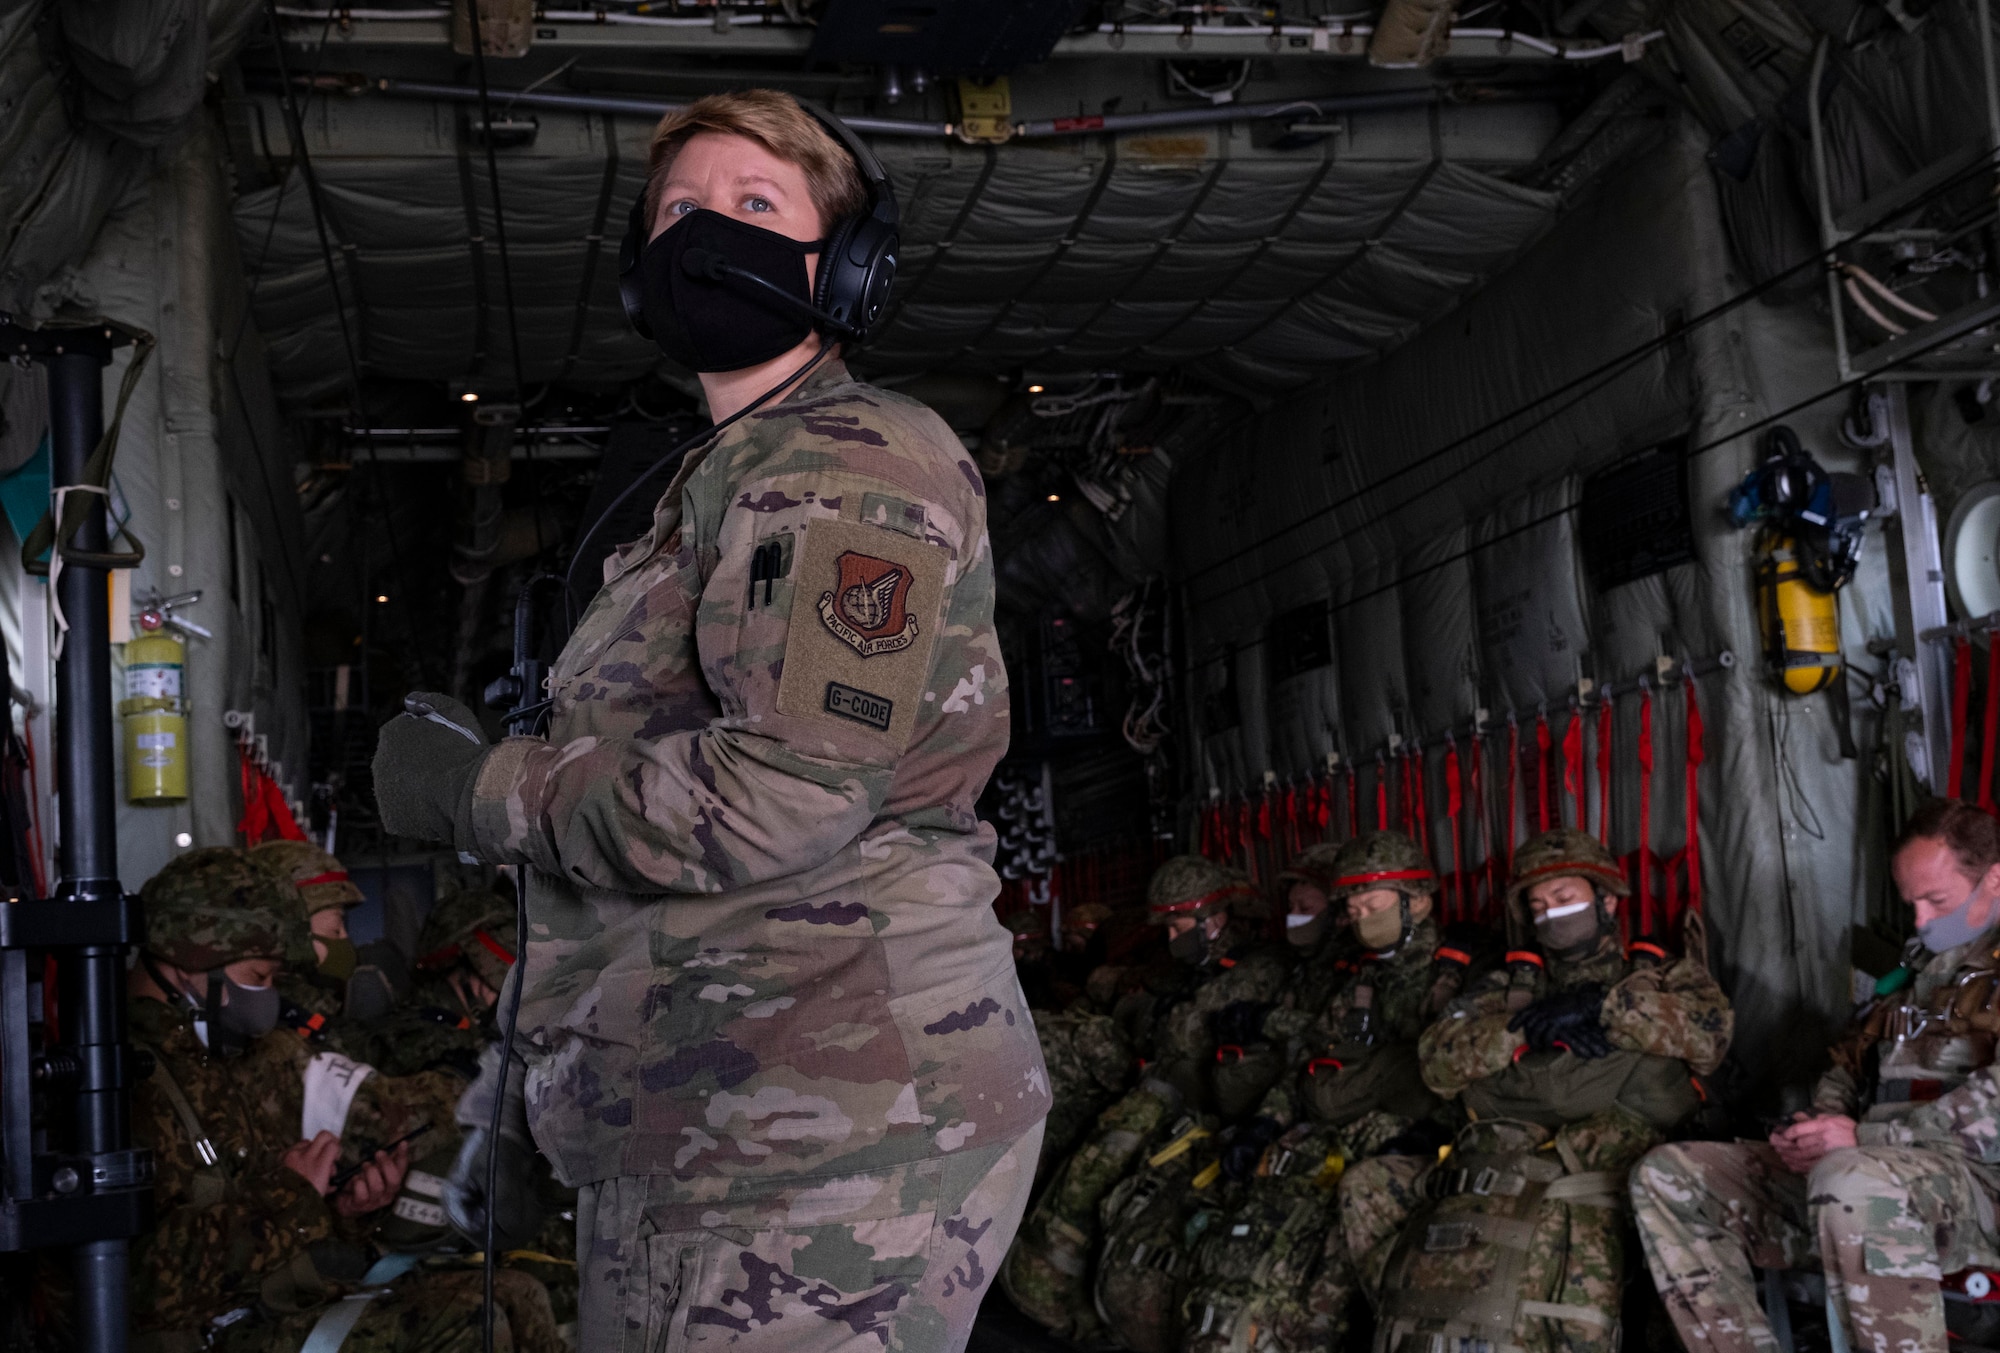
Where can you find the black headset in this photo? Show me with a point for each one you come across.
(857, 261)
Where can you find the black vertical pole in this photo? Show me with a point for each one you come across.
(87, 850)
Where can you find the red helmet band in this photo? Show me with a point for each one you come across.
(1197, 903)
(1385, 876)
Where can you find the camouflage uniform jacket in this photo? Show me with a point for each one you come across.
(1677, 1011)
(1902, 1068)
(1174, 1026)
(1313, 1015)
(430, 1030)
(223, 1232)
(761, 943)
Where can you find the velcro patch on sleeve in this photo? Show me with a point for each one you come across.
(864, 624)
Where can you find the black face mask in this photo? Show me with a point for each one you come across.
(711, 323)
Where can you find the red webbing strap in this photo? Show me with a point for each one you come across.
(1696, 754)
(1645, 810)
(1207, 834)
(1421, 799)
(1485, 818)
(1454, 802)
(1353, 803)
(1264, 816)
(1573, 768)
(494, 947)
(1961, 695)
(1381, 794)
(1989, 737)
(1513, 781)
(1403, 792)
(256, 815)
(1246, 834)
(1604, 738)
(1542, 742)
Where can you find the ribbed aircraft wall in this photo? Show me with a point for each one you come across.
(1444, 559)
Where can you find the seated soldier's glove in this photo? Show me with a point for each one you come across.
(426, 760)
(517, 1212)
(1573, 1018)
(1246, 1145)
(1239, 1022)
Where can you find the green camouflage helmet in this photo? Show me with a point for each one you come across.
(1191, 885)
(1562, 853)
(1318, 864)
(212, 907)
(475, 925)
(320, 878)
(1027, 925)
(1382, 860)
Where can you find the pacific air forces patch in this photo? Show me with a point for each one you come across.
(861, 656)
(867, 608)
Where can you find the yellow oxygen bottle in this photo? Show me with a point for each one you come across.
(1801, 623)
(155, 714)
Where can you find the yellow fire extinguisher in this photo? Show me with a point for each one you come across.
(155, 714)
(1801, 623)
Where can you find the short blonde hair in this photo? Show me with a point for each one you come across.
(776, 122)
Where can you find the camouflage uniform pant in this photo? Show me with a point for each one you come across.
(1886, 1222)
(889, 1259)
(424, 1312)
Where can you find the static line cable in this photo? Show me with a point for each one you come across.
(1748, 429)
(1608, 370)
(296, 132)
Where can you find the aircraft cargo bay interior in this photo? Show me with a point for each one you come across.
(1047, 676)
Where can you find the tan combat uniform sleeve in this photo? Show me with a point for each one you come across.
(1470, 1042)
(826, 675)
(1964, 1122)
(1677, 1012)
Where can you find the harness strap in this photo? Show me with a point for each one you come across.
(1381, 793)
(198, 1140)
(336, 1322)
(1961, 697)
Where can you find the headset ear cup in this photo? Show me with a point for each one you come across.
(629, 248)
(830, 285)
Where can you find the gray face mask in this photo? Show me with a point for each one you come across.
(1305, 932)
(248, 1012)
(1954, 927)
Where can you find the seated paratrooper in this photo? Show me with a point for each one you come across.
(320, 958)
(1572, 1062)
(1273, 1273)
(258, 1237)
(1892, 1181)
(1223, 974)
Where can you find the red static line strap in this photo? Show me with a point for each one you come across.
(1264, 816)
(1421, 798)
(1697, 753)
(1573, 768)
(1485, 843)
(1645, 888)
(1195, 903)
(1604, 739)
(1454, 804)
(494, 947)
(1513, 785)
(1542, 744)
(1353, 803)
(1989, 737)
(330, 876)
(1961, 696)
(1381, 795)
(1408, 819)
